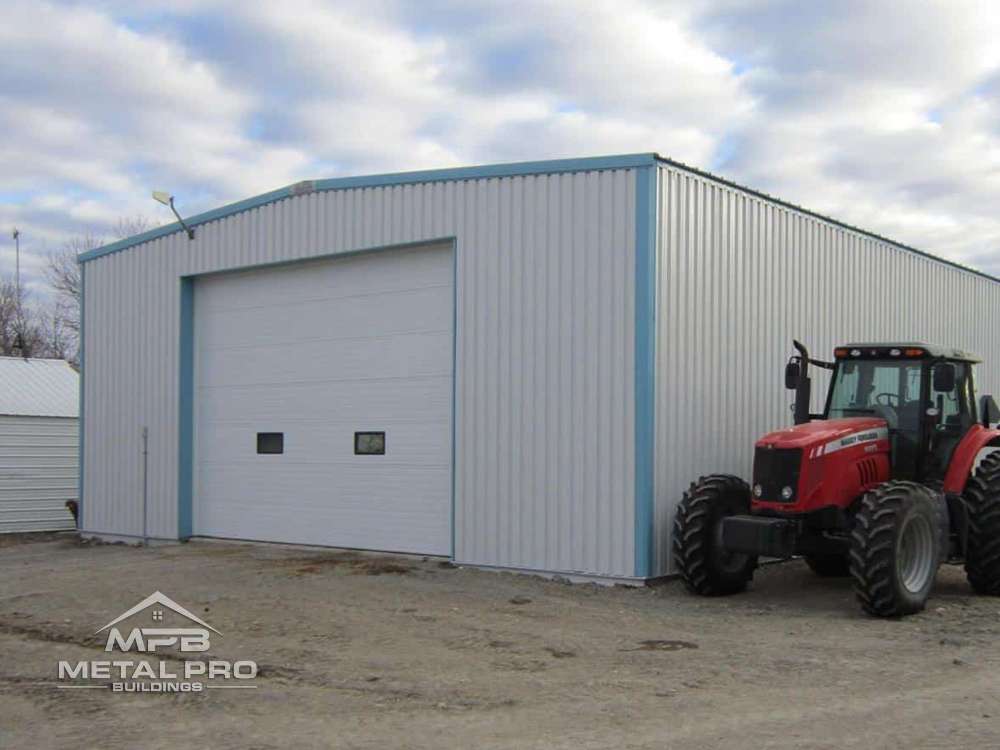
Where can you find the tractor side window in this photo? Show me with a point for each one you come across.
(911, 390)
(910, 407)
(954, 420)
(970, 393)
(954, 404)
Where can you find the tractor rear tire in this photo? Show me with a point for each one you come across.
(895, 549)
(982, 497)
(705, 566)
(829, 566)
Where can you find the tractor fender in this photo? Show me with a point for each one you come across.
(964, 457)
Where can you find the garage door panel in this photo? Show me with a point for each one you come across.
(391, 533)
(403, 485)
(374, 401)
(378, 272)
(413, 355)
(286, 322)
(319, 352)
(329, 444)
(365, 533)
(390, 514)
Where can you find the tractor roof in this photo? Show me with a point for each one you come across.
(934, 351)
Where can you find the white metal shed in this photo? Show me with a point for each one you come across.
(519, 365)
(39, 431)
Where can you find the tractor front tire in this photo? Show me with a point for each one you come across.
(829, 566)
(982, 497)
(895, 549)
(705, 566)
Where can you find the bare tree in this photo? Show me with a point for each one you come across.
(58, 338)
(63, 271)
(129, 226)
(8, 315)
(22, 326)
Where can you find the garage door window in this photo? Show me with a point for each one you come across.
(270, 442)
(369, 443)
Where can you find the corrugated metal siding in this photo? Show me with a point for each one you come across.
(38, 473)
(739, 278)
(544, 339)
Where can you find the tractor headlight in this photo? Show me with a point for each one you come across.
(758, 491)
(786, 493)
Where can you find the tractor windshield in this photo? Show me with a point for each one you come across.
(883, 388)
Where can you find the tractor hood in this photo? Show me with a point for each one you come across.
(820, 432)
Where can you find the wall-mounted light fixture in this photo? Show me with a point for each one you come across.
(168, 200)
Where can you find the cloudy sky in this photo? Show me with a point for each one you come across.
(885, 115)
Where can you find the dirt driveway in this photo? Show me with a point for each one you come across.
(375, 652)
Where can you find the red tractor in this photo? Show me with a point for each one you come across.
(881, 486)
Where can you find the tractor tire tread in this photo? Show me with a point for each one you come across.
(690, 553)
(982, 496)
(871, 557)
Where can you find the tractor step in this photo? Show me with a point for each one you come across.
(757, 535)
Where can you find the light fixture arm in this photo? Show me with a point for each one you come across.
(189, 230)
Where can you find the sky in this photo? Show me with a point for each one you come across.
(885, 115)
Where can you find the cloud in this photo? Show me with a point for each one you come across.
(885, 119)
(880, 116)
(93, 111)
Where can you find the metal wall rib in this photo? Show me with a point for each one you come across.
(545, 355)
(739, 278)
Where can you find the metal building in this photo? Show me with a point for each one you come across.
(518, 366)
(38, 444)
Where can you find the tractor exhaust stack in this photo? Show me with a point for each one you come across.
(803, 385)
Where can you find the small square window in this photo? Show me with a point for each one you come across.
(270, 442)
(369, 443)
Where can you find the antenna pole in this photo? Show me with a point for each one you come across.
(17, 265)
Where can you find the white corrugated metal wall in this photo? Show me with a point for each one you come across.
(545, 354)
(38, 472)
(738, 278)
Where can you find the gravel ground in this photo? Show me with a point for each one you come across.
(369, 651)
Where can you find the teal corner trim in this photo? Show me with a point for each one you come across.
(454, 391)
(81, 434)
(185, 407)
(645, 366)
(517, 169)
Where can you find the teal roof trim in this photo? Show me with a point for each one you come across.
(517, 169)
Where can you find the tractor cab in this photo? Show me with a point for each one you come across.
(924, 393)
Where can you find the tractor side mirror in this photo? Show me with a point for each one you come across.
(792, 375)
(989, 410)
(944, 378)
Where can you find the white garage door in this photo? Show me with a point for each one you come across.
(304, 374)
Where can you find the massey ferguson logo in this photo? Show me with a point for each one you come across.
(867, 436)
(861, 437)
(191, 635)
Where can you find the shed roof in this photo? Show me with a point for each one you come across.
(38, 388)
